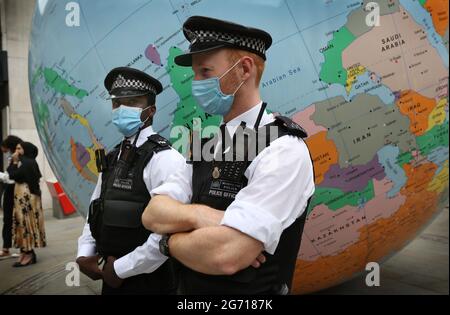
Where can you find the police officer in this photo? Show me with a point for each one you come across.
(235, 225)
(140, 163)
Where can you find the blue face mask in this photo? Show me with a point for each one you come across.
(210, 97)
(128, 119)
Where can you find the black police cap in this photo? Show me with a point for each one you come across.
(206, 34)
(128, 82)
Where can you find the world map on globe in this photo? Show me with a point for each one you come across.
(372, 97)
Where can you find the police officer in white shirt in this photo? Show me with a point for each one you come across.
(235, 226)
(143, 161)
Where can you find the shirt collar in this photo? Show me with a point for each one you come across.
(145, 133)
(250, 117)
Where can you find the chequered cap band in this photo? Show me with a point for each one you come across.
(202, 36)
(121, 82)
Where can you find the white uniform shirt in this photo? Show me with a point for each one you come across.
(4, 176)
(280, 182)
(147, 257)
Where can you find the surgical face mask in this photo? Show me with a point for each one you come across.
(210, 97)
(128, 119)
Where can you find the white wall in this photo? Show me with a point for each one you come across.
(16, 24)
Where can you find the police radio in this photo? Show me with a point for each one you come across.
(100, 160)
(126, 159)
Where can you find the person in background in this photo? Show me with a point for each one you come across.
(28, 218)
(8, 147)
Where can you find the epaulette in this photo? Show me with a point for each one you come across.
(293, 128)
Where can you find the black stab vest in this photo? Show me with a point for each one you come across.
(219, 191)
(115, 217)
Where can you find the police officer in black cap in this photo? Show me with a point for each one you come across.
(235, 225)
(141, 162)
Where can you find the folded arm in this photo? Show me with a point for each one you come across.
(165, 215)
(280, 183)
(218, 250)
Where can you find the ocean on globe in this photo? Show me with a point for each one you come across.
(370, 86)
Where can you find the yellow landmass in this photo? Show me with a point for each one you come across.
(440, 182)
(84, 122)
(91, 165)
(437, 116)
(81, 119)
(352, 74)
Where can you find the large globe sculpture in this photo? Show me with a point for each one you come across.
(369, 85)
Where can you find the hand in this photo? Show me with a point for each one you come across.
(89, 266)
(261, 259)
(15, 157)
(109, 274)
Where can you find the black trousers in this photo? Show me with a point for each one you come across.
(8, 206)
(159, 282)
